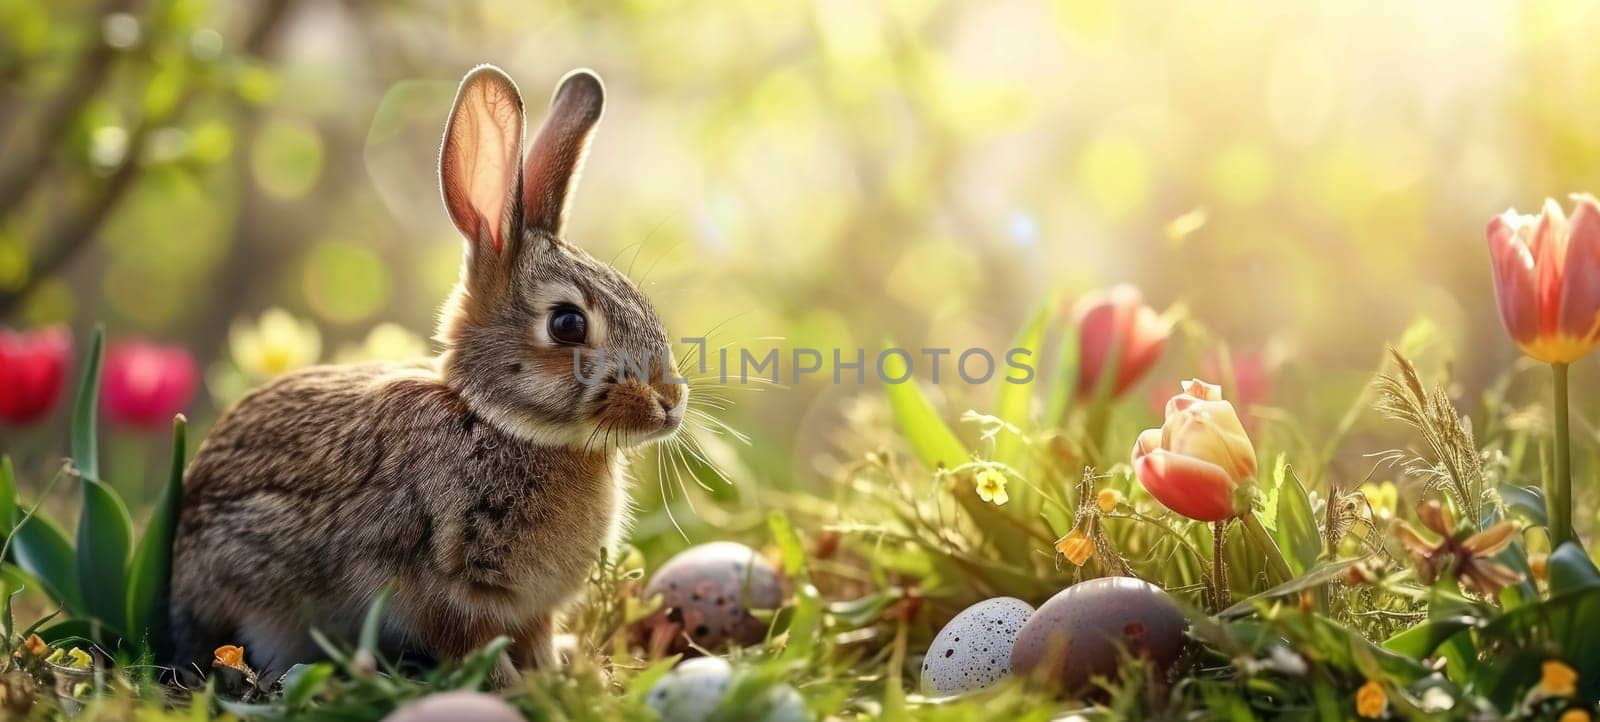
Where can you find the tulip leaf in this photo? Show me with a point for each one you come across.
(1571, 570)
(105, 534)
(1298, 534)
(105, 531)
(37, 546)
(931, 439)
(1526, 502)
(85, 452)
(1011, 405)
(150, 574)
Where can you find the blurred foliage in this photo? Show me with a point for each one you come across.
(1305, 182)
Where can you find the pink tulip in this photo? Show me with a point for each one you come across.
(1547, 278)
(33, 370)
(1117, 319)
(144, 385)
(1200, 460)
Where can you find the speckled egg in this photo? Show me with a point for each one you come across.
(456, 706)
(691, 691)
(707, 593)
(973, 651)
(1081, 632)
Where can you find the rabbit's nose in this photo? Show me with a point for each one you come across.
(667, 405)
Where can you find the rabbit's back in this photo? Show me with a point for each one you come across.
(324, 486)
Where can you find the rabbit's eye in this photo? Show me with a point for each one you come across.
(567, 325)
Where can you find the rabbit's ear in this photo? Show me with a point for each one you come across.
(556, 156)
(480, 170)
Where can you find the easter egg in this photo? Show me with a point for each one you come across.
(707, 593)
(454, 706)
(973, 651)
(1083, 630)
(691, 691)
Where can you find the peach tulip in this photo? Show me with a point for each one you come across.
(145, 385)
(1200, 459)
(1547, 278)
(1117, 321)
(33, 368)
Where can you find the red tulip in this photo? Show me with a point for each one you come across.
(1200, 459)
(1547, 278)
(33, 368)
(145, 385)
(1117, 320)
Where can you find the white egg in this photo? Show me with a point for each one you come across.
(973, 651)
(691, 691)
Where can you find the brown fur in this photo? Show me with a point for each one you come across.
(481, 485)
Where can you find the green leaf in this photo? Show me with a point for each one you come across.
(373, 625)
(793, 551)
(1063, 376)
(1526, 502)
(1271, 492)
(1298, 534)
(105, 532)
(85, 453)
(150, 574)
(1571, 570)
(1421, 640)
(41, 549)
(805, 625)
(932, 440)
(1011, 405)
(302, 681)
(8, 494)
(1313, 579)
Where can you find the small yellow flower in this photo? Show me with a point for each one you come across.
(1574, 715)
(992, 486)
(229, 656)
(275, 345)
(1107, 500)
(1371, 702)
(1076, 547)
(1556, 679)
(1382, 498)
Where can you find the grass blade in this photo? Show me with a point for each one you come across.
(932, 440)
(1011, 404)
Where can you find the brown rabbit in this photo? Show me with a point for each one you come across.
(482, 484)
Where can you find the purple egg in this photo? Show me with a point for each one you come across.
(1084, 630)
(707, 593)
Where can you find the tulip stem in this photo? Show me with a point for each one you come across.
(1219, 568)
(1558, 498)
